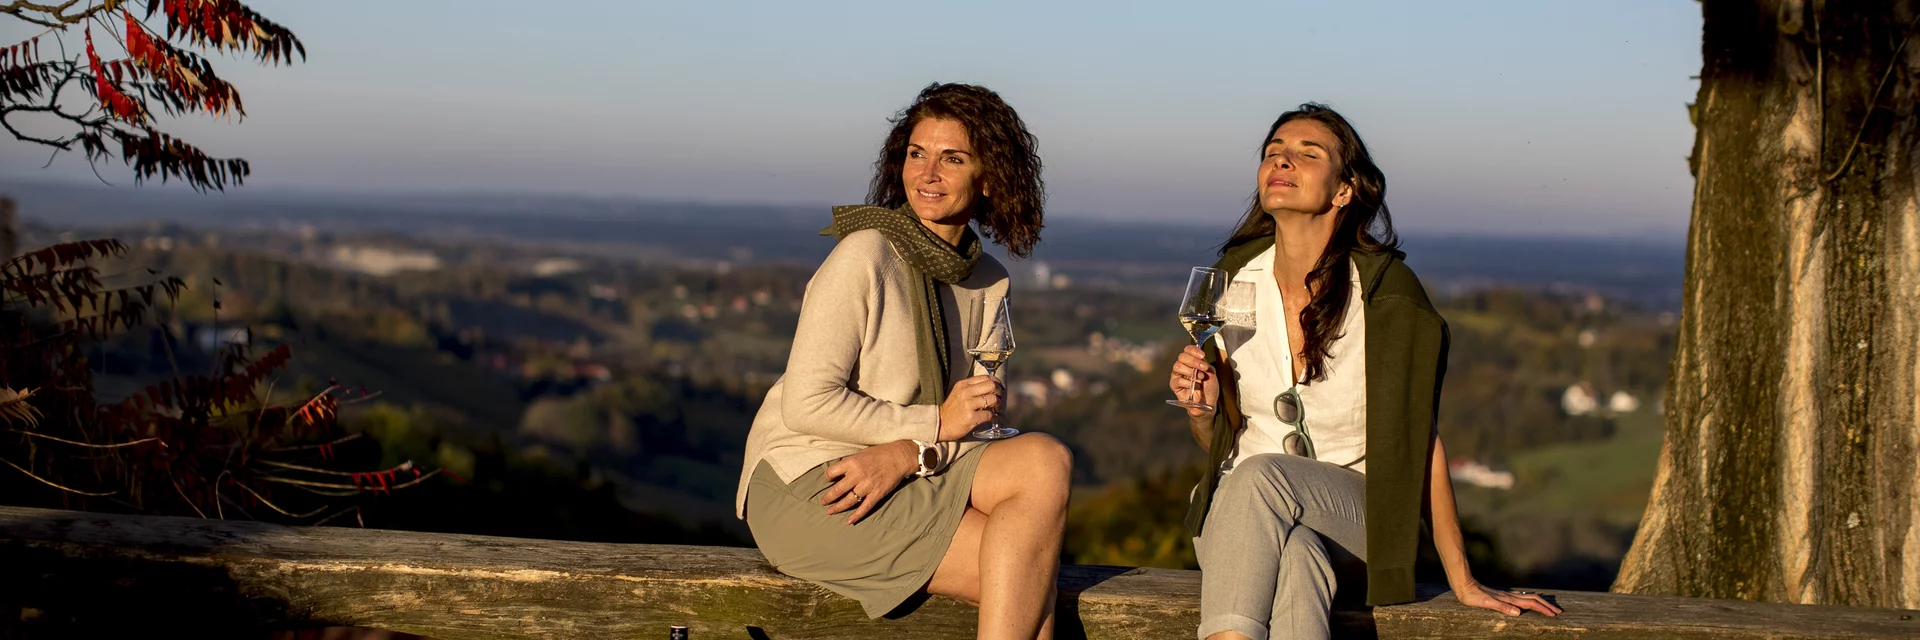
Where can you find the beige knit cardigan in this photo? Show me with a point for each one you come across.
(854, 368)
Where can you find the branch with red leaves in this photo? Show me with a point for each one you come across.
(227, 25)
(214, 439)
(156, 74)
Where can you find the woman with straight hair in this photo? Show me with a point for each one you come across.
(859, 473)
(1319, 423)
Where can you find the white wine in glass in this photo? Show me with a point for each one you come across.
(996, 346)
(1201, 326)
(1200, 316)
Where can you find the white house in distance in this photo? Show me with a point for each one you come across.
(380, 261)
(1479, 475)
(551, 267)
(1580, 399)
(1623, 402)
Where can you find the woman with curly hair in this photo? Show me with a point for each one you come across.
(1319, 421)
(859, 474)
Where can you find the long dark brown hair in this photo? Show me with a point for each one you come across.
(1009, 156)
(1362, 225)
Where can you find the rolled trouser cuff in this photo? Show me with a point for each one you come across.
(1234, 622)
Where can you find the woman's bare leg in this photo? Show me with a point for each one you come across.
(1006, 554)
(958, 576)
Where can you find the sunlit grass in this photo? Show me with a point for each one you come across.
(1610, 478)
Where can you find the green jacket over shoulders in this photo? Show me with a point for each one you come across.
(1406, 360)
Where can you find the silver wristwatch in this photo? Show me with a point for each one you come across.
(929, 458)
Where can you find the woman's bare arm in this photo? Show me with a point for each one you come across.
(1451, 544)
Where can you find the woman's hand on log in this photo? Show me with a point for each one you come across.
(865, 479)
(1508, 602)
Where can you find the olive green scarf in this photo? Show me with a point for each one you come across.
(934, 260)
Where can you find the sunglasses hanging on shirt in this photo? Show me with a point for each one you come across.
(1293, 413)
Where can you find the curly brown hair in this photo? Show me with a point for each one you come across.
(1009, 155)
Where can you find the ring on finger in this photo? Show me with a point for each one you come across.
(857, 498)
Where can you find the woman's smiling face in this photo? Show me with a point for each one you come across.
(1300, 170)
(941, 173)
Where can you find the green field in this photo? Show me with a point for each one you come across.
(1609, 478)
(1573, 509)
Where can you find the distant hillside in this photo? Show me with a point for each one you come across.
(589, 391)
(1131, 254)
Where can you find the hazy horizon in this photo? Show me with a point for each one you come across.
(638, 207)
(1503, 118)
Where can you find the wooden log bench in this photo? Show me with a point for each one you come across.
(72, 574)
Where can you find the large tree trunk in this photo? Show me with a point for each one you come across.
(1793, 414)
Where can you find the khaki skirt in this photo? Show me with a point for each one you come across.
(881, 560)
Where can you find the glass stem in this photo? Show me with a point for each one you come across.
(1197, 398)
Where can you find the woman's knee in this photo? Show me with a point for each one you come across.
(1261, 478)
(1034, 464)
(1049, 456)
(1266, 464)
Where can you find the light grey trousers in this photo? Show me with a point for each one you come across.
(1278, 528)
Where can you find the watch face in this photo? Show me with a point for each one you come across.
(929, 457)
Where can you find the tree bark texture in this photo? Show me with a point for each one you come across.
(1789, 470)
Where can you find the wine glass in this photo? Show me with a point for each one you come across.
(1200, 316)
(996, 345)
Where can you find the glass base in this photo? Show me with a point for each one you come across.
(1191, 405)
(995, 433)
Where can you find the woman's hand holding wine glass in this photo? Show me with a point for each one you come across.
(996, 345)
(1194, 382)
(1200, 316)
(969, 405)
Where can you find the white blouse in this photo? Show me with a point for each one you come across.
(1257, 344)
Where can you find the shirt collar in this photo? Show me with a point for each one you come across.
(1260, 263)
(1258, 267)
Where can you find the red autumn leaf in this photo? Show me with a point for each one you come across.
(108, 92)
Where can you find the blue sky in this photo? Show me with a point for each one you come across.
(1549, 117)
